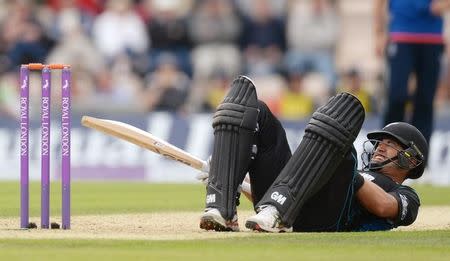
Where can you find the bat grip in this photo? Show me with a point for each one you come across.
(205, 166)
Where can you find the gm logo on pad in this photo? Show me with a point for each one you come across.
(278, 197)
(211, 198)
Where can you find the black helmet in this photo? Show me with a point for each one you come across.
(413, 142)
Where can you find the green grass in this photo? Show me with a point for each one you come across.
(432, 195)
(118, 197)
(110, 198)
(314, 246)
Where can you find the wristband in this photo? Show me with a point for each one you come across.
(358, 181)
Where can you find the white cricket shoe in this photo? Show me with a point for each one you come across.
(267, 220)
(213, 220)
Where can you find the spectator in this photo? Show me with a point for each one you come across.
(167, 86)
(352, 82)
(270, 90)
(263, 40)
(9, 95)
(76, 49)
(86, 10)
(217, 87)
(23, 35)
(86, 7)
(119, 88)
(168, 31)
(277, 7)
(415, 44)
(119, 30)
(295, 102)
(214, 29)
(312, 30)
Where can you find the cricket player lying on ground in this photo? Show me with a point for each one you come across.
(318, 188)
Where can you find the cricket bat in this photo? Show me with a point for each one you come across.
(145, 140)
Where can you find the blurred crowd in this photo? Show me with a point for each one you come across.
(181, 55)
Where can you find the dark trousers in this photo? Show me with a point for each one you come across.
(273, 153)
(404, 59)
(328, 209)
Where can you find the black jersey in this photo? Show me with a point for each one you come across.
(408, 205)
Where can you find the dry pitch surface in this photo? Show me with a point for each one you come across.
(172, 226)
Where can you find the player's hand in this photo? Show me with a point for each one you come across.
(203, 176)
(439, 7)
(380, 44)
(245, 187)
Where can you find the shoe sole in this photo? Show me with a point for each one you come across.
(208, 223)
(256, 227)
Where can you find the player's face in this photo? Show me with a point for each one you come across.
(385, 150)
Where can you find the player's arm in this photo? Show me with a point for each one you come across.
(439, 7)
(380, 15)
(377, 201)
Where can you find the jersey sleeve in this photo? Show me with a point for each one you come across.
(408, 205)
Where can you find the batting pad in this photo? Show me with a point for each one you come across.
(234, 123)
(328, 137)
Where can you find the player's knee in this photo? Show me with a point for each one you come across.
(240, 106)
(339, 120)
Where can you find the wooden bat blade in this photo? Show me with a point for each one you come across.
(143, 139)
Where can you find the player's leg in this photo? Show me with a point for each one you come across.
(235, 125)
(329, 210)
(328, 138)
(428, 69)
(400, 60)
(273, 153)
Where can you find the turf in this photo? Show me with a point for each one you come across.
(433, 195)
(118, 197)
(313, 246)
(110, 198)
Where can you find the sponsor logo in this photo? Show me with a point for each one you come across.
(24, 83)
(45, 126)
(278, 197)
(65, 127)
(46, 84)
(404, 206)
(211, 198)
(66, 84)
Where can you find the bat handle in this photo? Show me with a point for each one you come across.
(205, 166)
